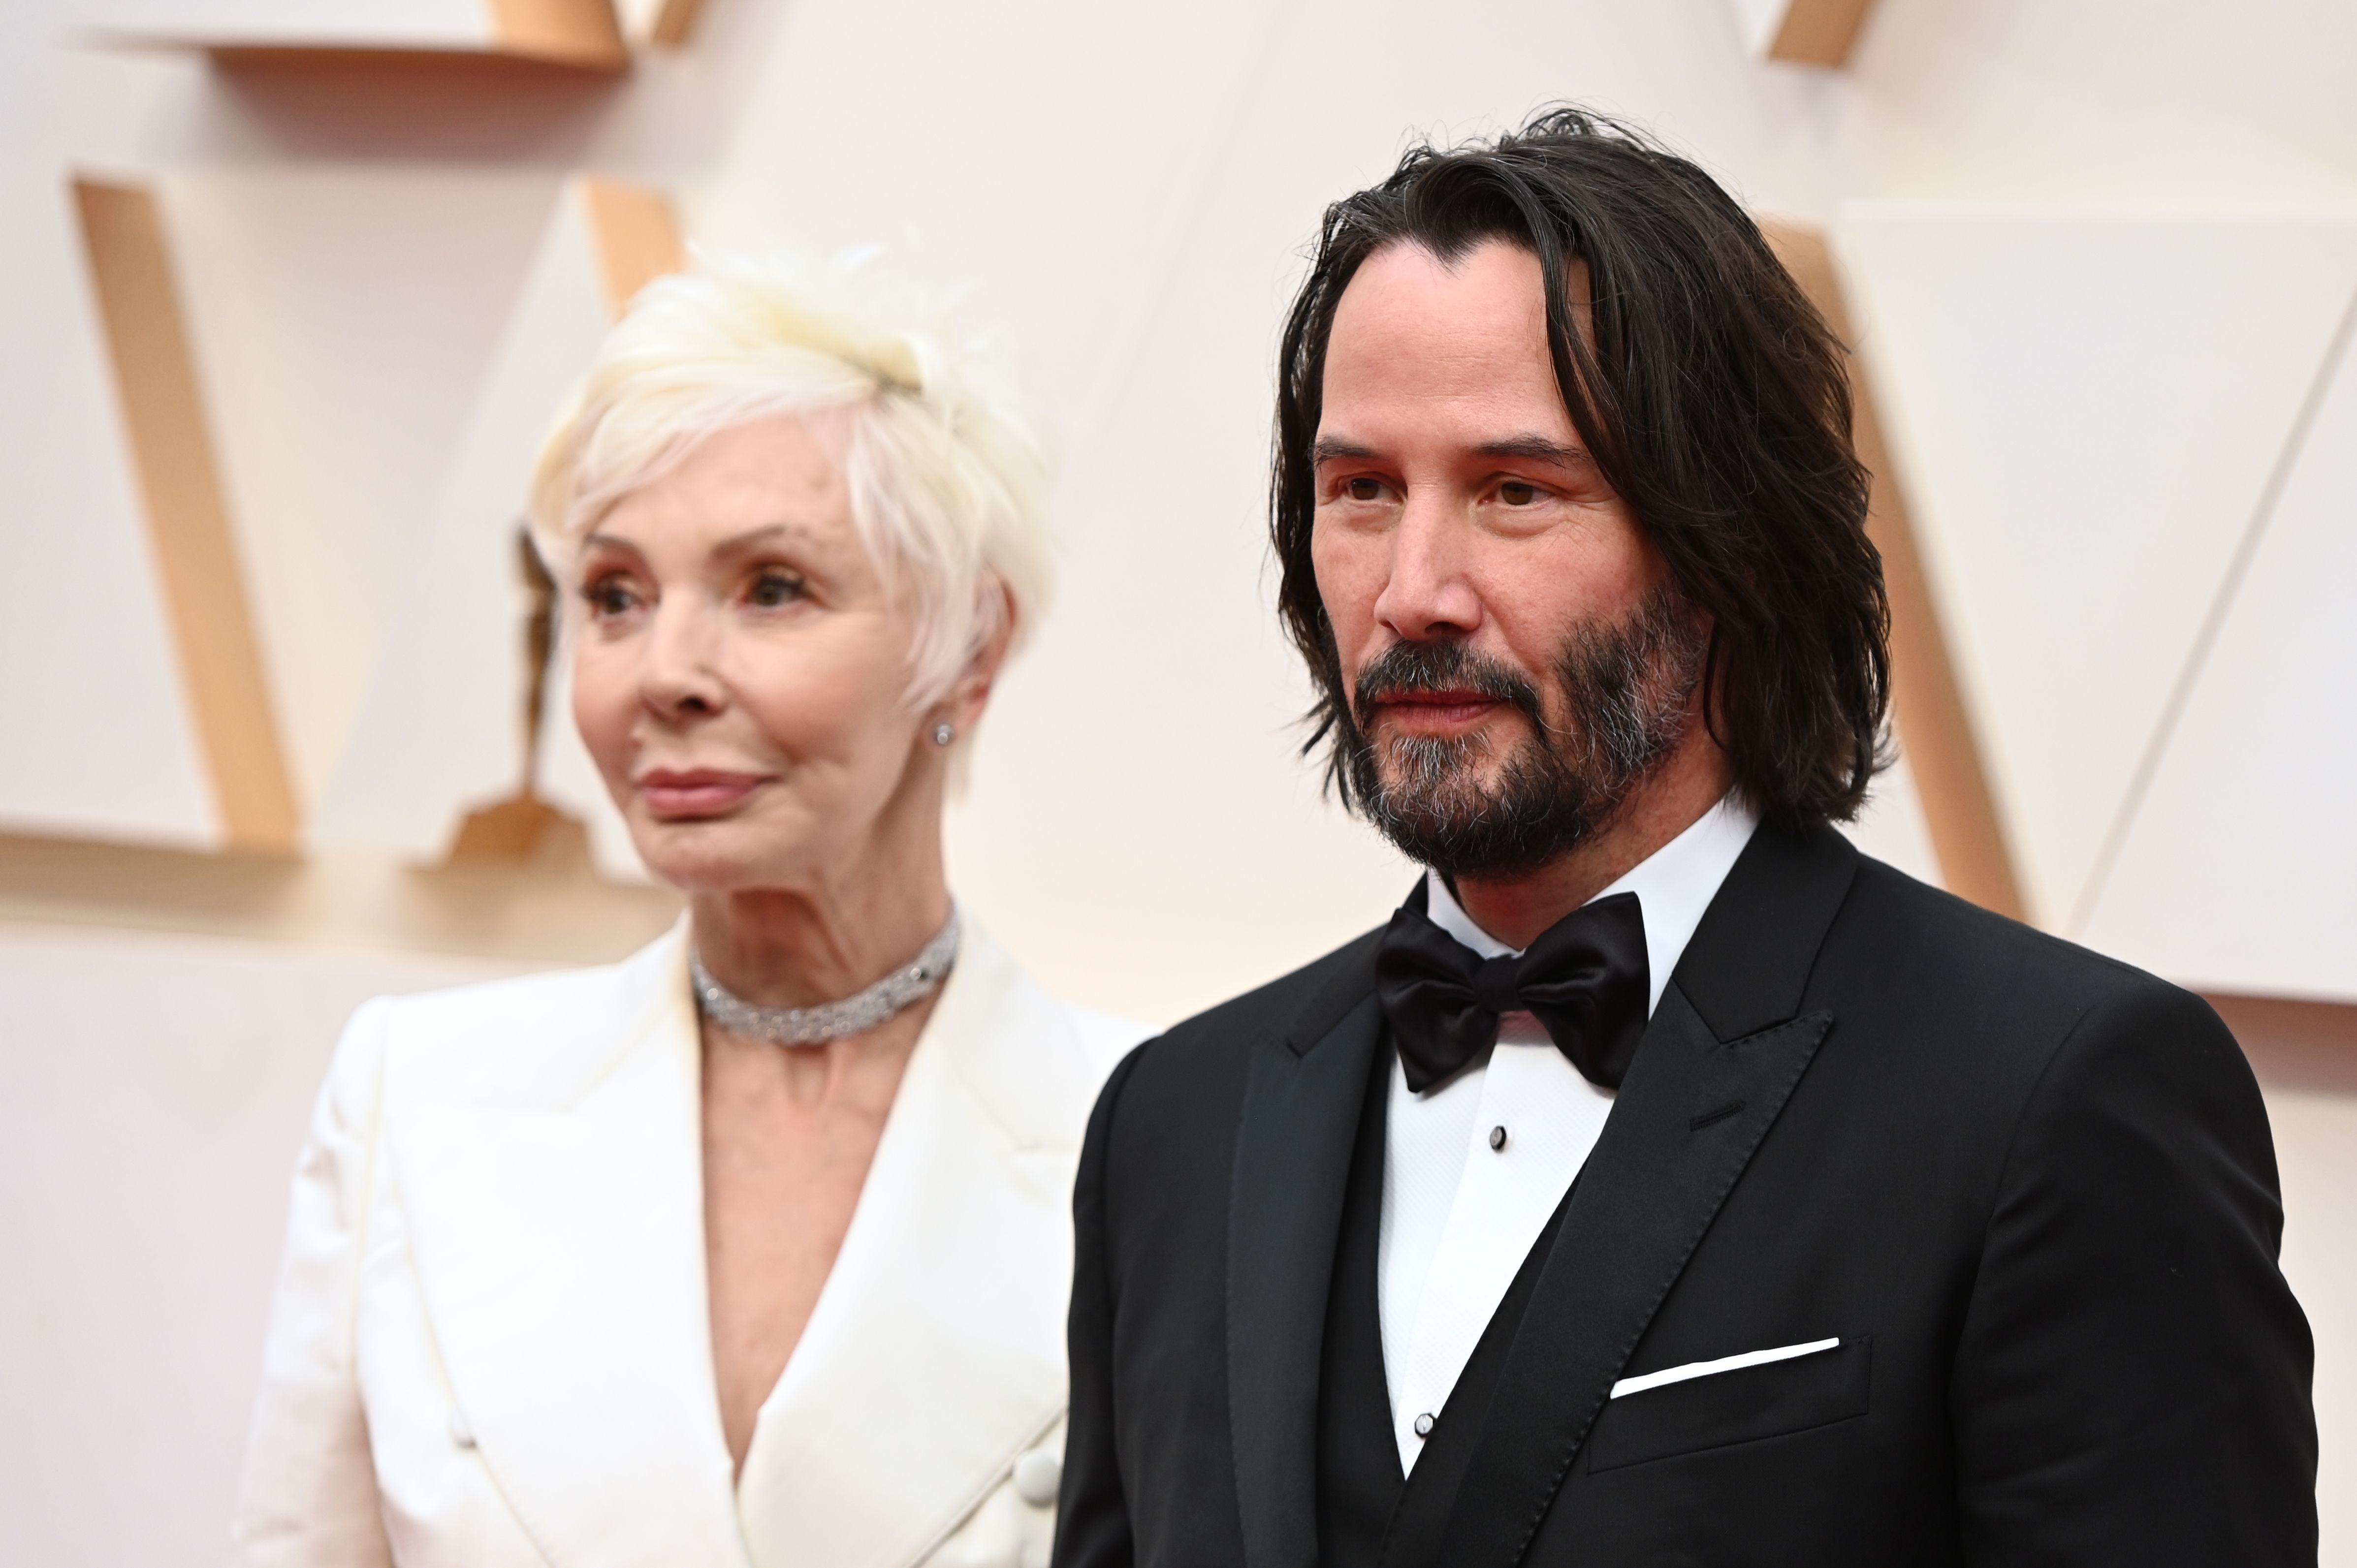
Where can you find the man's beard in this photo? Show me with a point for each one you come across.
(1626, 691)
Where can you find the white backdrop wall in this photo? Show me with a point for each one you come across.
(1126, 191)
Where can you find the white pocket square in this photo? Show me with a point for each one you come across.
(1638, 1385)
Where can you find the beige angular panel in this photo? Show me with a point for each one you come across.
(2087, 408)
(339, 317)
(582, 33)
(1942, 801)
(2238, 869)
(1803, 32)
(187, 521)
(101, 741)
(463, 743)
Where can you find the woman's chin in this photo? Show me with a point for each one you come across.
(706, 854)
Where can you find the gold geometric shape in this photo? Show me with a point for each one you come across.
(673, 23)
(1819, 32)
(562, 32)
(521, 827)
(638, 238)
(187, 521)
(1942, 749)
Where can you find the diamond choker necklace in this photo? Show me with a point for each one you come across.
(855, 1015)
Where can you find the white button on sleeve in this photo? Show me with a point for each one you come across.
(1038, 1474)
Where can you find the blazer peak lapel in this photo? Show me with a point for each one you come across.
(558, 1238)
(935, 1355)
(1300, 1119)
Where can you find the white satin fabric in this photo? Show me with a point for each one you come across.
(492, 1343)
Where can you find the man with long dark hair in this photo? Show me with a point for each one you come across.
(1665, 1182)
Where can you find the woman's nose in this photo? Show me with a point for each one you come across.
(681, 676)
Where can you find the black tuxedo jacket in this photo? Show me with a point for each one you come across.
(2031, 1190)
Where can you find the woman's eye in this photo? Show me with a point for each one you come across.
(1514, 492)
(609, 596)
(1363, 489)
(773, 589)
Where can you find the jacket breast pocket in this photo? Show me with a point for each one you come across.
(1742, 1405)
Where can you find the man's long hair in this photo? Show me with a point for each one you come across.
(1715, 399)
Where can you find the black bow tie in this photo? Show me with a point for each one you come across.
(1586, 979)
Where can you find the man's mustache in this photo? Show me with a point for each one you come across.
(1451, 666)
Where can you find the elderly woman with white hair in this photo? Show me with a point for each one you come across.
(753, 1249)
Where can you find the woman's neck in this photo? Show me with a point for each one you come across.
(798, 947)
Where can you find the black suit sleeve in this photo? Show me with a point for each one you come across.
(1091, 1509)
(2132, 1378)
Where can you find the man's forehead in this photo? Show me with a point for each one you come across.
(1457, 347)
(1405, 289)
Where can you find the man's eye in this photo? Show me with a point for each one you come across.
(1514, 492)
(772, 589)
(1363, 489)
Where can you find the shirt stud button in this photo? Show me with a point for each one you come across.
(1497, 1137)
(1423, 1426)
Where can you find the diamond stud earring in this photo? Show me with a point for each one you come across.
(943, 735)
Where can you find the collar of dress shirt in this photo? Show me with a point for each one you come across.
(1673, 884)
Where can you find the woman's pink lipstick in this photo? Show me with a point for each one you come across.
(676, 794)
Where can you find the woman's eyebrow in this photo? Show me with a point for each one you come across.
(754, 538)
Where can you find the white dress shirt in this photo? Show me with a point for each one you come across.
(1473, 1167)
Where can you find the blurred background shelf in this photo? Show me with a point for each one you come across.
(582, 35)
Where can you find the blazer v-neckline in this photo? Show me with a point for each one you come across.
(552, 1198)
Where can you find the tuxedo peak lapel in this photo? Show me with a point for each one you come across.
(1300, 1119)
(1749, 962)
(1350, 980)
(1722, 1056)
(1688, 1118)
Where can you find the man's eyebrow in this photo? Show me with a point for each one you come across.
(1539, 449)
(1327, 448)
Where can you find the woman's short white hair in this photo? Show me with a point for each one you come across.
(943, 464)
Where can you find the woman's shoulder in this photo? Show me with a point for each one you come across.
(1105, 1038)
(459, 1031)
(522, 999)
(1036, 1058)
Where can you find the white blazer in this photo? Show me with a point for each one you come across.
(491, 1344)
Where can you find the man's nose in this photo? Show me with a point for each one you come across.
(1427, 593)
